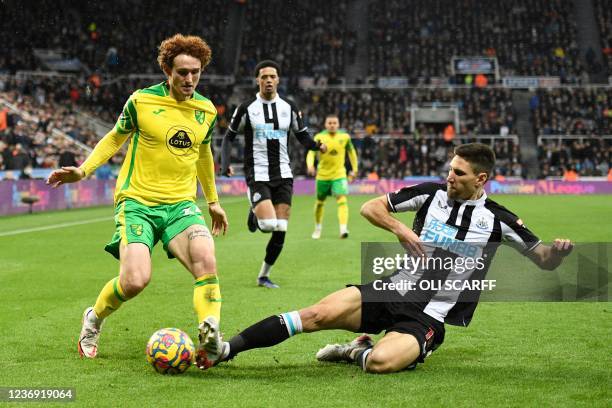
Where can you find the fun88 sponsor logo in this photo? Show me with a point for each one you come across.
(267, 131)
(443, 235)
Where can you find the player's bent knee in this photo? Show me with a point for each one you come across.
(314, 318)
(381, 362)
(134, 285)
(204, 266)
(267, 225)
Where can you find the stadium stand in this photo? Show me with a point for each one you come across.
(604, 20)
(417, 39)
(97, 33)
(575, 111)
(309, 39)
(319, 42)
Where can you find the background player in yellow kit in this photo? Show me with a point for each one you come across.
(331, 173)
(170, 127)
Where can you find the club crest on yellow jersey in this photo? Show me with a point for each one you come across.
(199, 116)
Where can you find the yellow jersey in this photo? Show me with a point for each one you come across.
(331, 163)
(166, 136)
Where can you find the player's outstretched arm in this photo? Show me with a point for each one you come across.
(377, 212)
(104, 150)
(550, 257)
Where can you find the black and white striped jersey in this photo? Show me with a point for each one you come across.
(456, 228)
(266, 126)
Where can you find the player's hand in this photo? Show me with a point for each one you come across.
(322, 148)
(229, 172)
(219, 219)
(562, 247)
(351, 176)
(311, 171)
(411, 242)
(69, 174)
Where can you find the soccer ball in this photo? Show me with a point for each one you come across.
(170, 351)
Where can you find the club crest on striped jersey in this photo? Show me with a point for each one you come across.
(482, 223)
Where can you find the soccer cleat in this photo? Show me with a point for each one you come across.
(90, 334)
(210, 348)
(344, 233)
(345, 352)
(252, 221)
(267, 283)
(316, 233)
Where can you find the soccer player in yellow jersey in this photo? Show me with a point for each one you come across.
(169, 127)
(331, 173)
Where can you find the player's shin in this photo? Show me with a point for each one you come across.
(266, 333)
(318, 211)
(343, 214)
(110, 299)
(207, 297)
(273, 250)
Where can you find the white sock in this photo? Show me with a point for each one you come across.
(343, 229)
(264, 272)
(318, 227)
(293, 322)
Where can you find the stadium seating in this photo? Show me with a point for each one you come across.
(313, 39)
(604, 20)
(575, 111)
(417, 39)
(483, 111)
(309, 39)
(105, 36)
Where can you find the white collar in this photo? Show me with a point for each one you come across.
(481, 200)
(261, 99)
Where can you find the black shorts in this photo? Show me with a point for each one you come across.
(401, 317)
(280, 191)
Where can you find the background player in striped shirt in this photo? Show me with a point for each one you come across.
(331, 172)
(169, 127)
(413, 329)
(266, 120)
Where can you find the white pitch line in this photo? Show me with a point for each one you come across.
(91, 221)
(54, 226)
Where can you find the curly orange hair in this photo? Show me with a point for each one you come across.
(183, 44)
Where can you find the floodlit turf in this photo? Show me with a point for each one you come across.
(513, 354)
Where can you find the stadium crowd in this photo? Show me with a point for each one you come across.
(603, 11)
(316, 42)
(574, 111)
(575, 158)
(33, 139)
(106, 42)
(417, 39)
(376, 111)
(312, 39)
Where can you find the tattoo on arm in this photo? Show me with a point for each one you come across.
(200, 232)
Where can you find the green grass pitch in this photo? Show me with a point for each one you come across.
(513, 354)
